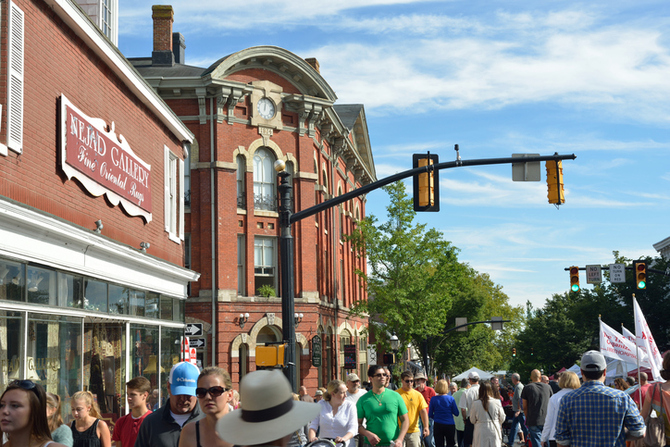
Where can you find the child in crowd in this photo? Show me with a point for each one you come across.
(59, 431)
(87, 428)
(127, 427)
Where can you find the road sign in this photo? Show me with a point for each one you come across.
(350, 357)
(194, 330)
(526, 172)
(617, 273)
(594, 274)
(461, 321)
(193, 357)
(197, 342)
(497, 323)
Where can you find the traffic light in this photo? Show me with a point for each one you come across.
(641, 274)
(513, 352)
(426, 184)
(388, 359)
(556, 194)
(574, 279)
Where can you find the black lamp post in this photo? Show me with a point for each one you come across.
(287, 290)
(395, 346)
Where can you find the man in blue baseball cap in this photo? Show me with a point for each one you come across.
(163, 427)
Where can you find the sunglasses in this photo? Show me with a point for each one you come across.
(23, 384)
(379, 375)
(408, 381)
(214, 391)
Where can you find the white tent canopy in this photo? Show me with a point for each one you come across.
(482, 374)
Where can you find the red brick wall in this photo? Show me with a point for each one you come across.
(57, 62)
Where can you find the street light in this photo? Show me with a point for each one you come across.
(395, 343)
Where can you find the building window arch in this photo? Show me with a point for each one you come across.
(241, 170)
(268, 334)
(265, 180)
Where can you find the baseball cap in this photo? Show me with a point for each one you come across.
(353, 378)
(419, 375)
(593, 361)
(474, 375)
(183, 379)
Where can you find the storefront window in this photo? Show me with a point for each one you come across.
(166, 308)
(137, 299)
(54, 355)
(95, 295)
(152, 305)
(170, 350)
(118, 299)
(178, 310)
(144, 358)
(11, 330)
(42, 286)
(70, 290)
(12, 281)
(105, 366)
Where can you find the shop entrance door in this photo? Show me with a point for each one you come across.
(105, 366)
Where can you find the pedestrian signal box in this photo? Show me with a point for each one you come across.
(270, 356)
(574, 279)
(388, 359)
(426, 184)
(640, 274)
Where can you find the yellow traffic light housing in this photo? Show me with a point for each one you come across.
(556, 194)
(426, 184)
(640, 274)
(513, 352)
(574, 279)
(270, 356)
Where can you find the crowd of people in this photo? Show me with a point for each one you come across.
(203, 410)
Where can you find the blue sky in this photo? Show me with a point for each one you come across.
(496, 77)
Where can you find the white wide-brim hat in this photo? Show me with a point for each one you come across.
(267, 411)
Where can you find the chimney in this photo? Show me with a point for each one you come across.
(178, 47)
(314, 63)
(163, 16)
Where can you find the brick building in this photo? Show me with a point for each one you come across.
(92, 277)
(248, 110)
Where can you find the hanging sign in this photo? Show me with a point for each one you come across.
(103, 162)
(350, 357)
(316, 351)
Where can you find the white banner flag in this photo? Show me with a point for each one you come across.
(615, 346)
(645, 340)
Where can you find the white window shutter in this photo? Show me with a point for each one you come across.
(166, 187)
(15, 79)
(181, 200)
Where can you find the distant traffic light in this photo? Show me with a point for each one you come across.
(555, 181)
(513, 352)
(427, 184)
(640, 274)
(574, 279)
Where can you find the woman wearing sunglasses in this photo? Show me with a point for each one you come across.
(214, 393)
(23, 415)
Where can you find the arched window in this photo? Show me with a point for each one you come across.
(265, 189)
(241, 169)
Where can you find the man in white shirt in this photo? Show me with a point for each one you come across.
(471, 395)
(354, 392)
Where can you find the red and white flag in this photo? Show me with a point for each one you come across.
(616, 346)
(645, 340)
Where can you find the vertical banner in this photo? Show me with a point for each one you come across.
(645, 340)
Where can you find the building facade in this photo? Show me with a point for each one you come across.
(92, 278)
(247, 111)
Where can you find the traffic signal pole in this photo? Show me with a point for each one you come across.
(287, 218)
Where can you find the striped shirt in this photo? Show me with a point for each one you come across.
(595, 415)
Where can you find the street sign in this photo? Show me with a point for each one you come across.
(197, 342)
(194, 330)
(497, 323)
(461, 322)
(617, 273)
(526, 172)
(316, 351)
(193, 357)
(594, 274)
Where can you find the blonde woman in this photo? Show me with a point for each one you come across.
(59, 431)
(568, 382)
(337, 419)
(214, 393)
(88, 430)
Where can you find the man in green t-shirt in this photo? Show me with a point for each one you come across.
(381, 409)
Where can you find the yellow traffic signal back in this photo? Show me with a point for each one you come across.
(574, 279)
(555, 193)
(640, 274)
(270, 356)
(426, 184)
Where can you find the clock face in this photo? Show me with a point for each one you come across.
(266, 108)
